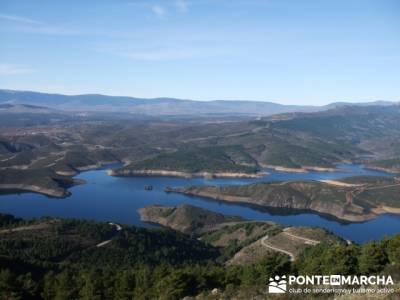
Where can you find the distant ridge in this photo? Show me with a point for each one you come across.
(373, 103)
(162, 106)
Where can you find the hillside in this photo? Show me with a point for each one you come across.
(68, 259)
(242, 242)
(38, 181)
(296, 142)
(354, 199)
(230, 161)
(67, 242)
(291, 241)
(388, 165)
(185, 218)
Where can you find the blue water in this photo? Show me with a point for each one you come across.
(117, 199)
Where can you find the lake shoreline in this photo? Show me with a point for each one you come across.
(344, 219)
(181, 174)
(393, 171)
(117, 199)
(62, 190)
(304, 169)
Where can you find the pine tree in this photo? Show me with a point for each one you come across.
(7, 285)
(64, 286)
(372, 259)
(124, 286)
(49, 291)
(91, 289)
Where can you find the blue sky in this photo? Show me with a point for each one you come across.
(286, 51)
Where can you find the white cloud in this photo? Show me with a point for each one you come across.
(159, 10)
(157, 55)
(18, 19)
(182, 5)
(26, 25)
(50, 30)
(12, 69)
(172, 54)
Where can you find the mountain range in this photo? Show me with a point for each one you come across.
(154, 106)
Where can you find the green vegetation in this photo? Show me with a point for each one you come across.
(376, 191)
(37, 180)
(232, 238)
(392, 164)
(205, 159)
(369, 180)
(347, 123)
(55, 242)
(297, 140)
(7, 220)
(293, 156)
(239, 241)
(185, 218)
(358, 199)
(248, 228)
(370, 258)
(58, 259)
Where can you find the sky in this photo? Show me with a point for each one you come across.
(286, 51)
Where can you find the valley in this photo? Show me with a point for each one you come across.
(240, 196)
(117, 199)
(295, 142)
(200, 150)
(48, 158)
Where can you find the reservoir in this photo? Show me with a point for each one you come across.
(116, 199)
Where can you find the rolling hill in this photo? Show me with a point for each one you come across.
(158, 106)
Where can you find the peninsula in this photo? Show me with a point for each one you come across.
(241, 241)
(353, 199)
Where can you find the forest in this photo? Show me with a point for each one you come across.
(58, 259)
